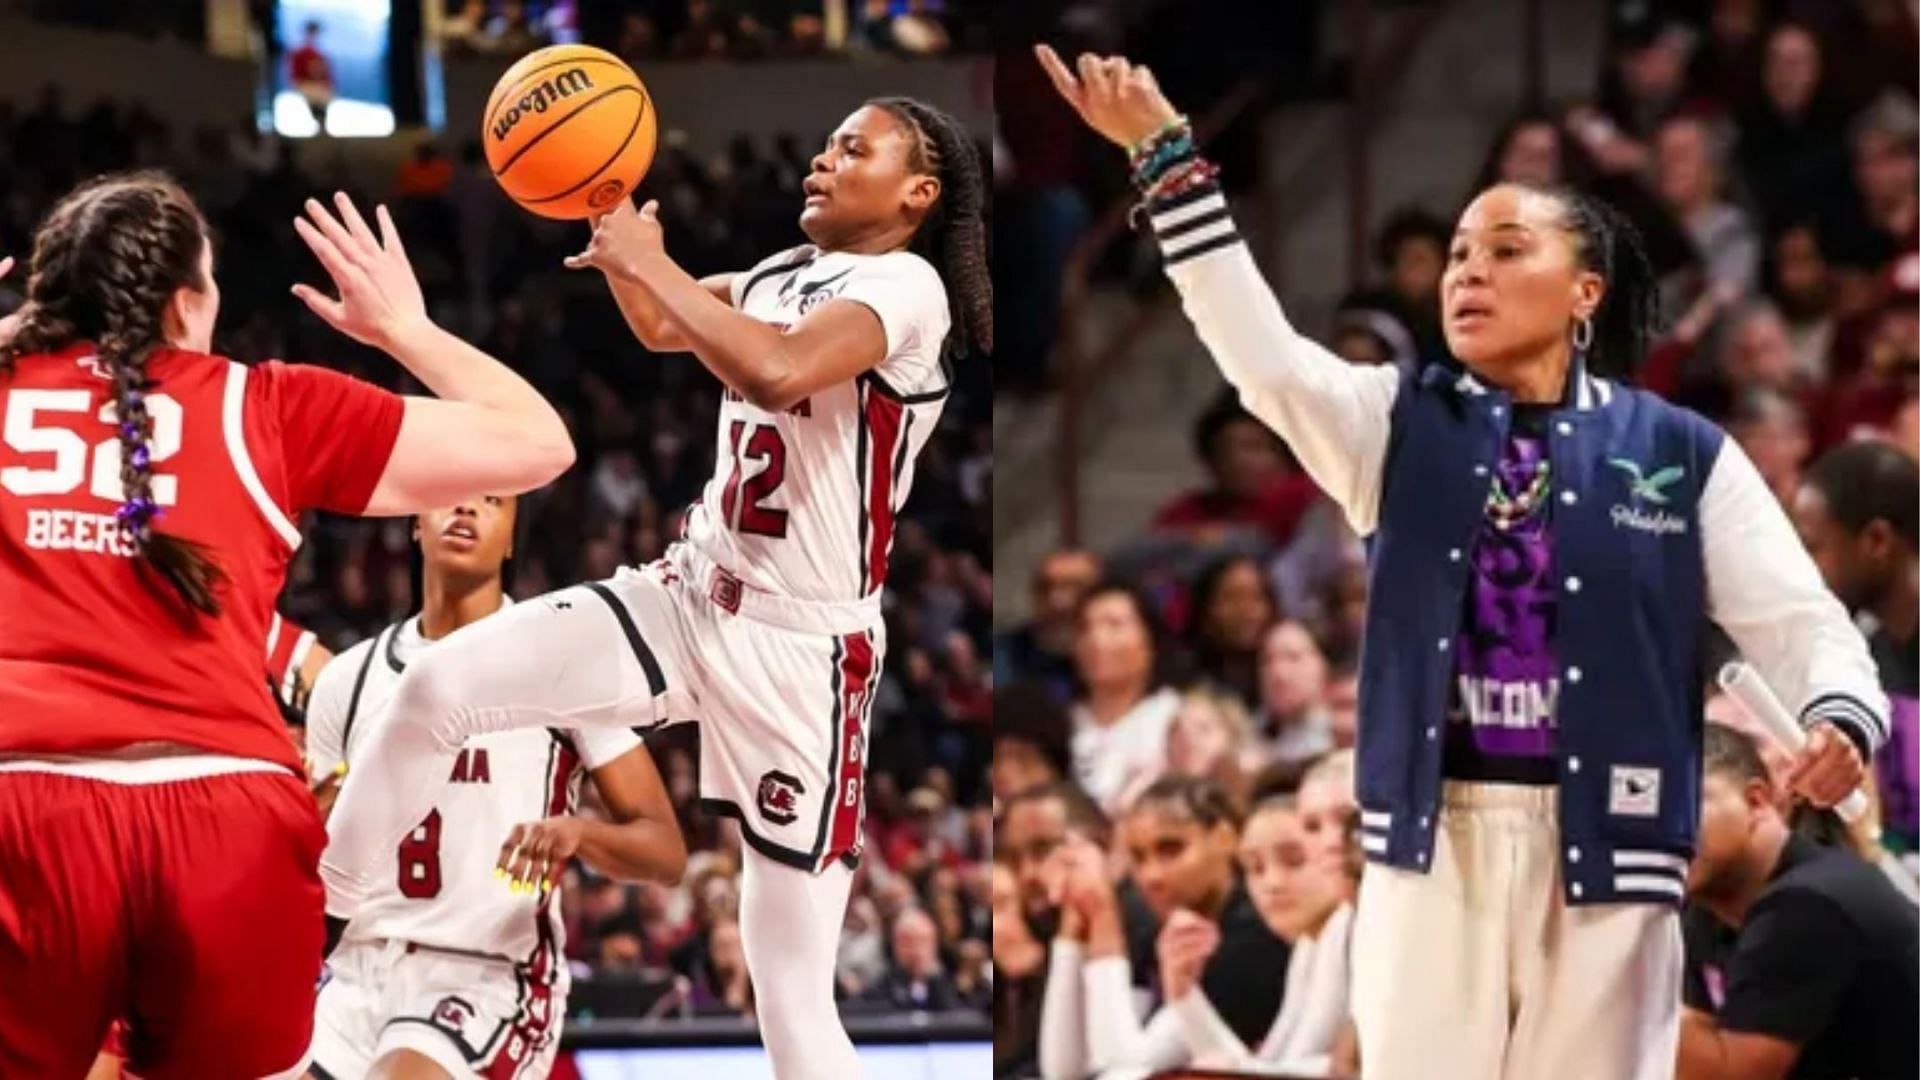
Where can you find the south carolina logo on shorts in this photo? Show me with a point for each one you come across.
(453, 1015)
(780, 797)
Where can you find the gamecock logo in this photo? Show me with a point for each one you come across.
(780, 797)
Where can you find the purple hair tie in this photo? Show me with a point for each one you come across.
(141, 459)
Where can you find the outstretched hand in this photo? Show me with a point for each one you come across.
(379, 295)
(1827, 768)
(1120, 101)
(622, 240)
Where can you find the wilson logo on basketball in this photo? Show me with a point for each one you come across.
(540, 98)
(605, 194)
(780, 797)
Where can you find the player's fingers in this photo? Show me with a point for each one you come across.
(332, 311)
(331, 228)
(1056, 70)
(6, 266)
(507, 848)
(1093, 76)
(332, 259)
(356, 225)
(651, 210)
(389, 234)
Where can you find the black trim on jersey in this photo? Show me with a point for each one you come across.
(860, 466)
(466, 1048)
(762, 275)
(814, 286)
(893, 480)
(353, 703)
(728, 808)
(832, 792)
(884, 387)
(319, 1072)
(656, 680)
(393, 644)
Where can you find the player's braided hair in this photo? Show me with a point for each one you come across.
(106, 262)
(1627, 321)
(1199, 799)
(954, 235)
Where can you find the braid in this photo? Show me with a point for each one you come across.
(954, 236)
(1628, 318)
(106, 263)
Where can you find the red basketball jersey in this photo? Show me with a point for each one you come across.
(288, 644)
(96, 650)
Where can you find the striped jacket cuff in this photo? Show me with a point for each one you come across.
(1865, 726)
(1192, 223)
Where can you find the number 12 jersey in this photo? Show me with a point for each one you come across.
(802, 503)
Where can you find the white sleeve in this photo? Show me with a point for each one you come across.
(1764, 590)
(599, 746)
(1063, 1028)
(906, 293)
(1334, 415)
(327, 709)
(1213, 1042)
(1115, 1037)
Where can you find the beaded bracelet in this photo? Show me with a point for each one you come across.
(1186, 176)
(1163, 159)
(1178, 123)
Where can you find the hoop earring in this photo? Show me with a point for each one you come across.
(1583, 334)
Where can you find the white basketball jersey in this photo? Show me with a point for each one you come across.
(803, 503)
(440, 889)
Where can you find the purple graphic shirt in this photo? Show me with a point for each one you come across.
(1501, 704)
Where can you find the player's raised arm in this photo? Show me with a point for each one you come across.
(1335, 416)
(769, 367)
(510, 439)
(644, 316)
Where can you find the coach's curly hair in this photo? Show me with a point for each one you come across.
(106, 262)
(1627, 322)
(954, 235)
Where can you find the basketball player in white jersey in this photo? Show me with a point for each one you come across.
(764, 623)
(454, 967)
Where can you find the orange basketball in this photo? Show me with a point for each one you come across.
(569, 131)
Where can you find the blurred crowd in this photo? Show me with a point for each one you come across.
(1171, 768)
(644, 425)
(643, 30)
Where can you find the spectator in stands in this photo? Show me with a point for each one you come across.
(1800, 286)
(1342, 702)
(1690, 174)
(1366, 332)
(1857, 515)
(1180, 839)
(1772, 428)
(1210, 740)
(1802, 961)
(1411, 253)
(311, 74)
(915, 979)
(1305, 897)
(1125, 706)
(1884, 221)
(1646, 81)
(425, 174)
(639, 38)
(1031, 740)
(1251, 484)
(1041, 649)
(720, 983)
(1019, 972)
(702, 36)
(1792, 149)
(1531, 149)
(1232, 606)
(1292, 726)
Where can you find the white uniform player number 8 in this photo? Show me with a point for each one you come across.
(23, 432)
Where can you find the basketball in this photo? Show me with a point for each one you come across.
(569, 131)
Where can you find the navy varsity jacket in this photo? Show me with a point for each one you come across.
(1661, 523)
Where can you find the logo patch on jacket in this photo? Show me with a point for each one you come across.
(1635, 791)
(780, 797)
(1647, 497)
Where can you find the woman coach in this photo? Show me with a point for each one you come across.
(1547, 545)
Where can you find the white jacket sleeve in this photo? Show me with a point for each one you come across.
(1334, 415)
(1764, 590)
(1115, 1037)
(1063, 1026)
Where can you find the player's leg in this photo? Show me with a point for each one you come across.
(351, 1007)
(596, 654)
(790, 923)
(1598, 987)
(408, 1065)
(225, 963)
(1430, 995)
(455, 1016)
(63, 930)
